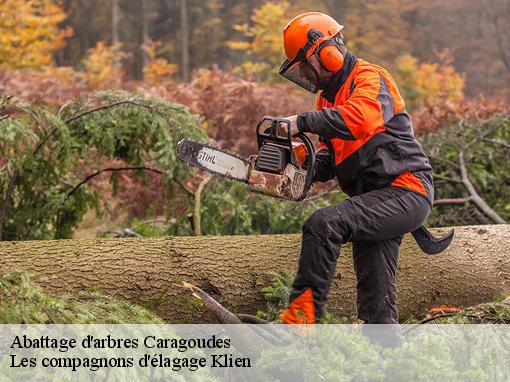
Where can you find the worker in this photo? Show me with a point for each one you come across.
(367, 142)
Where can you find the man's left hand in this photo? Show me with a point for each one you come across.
(293, 126)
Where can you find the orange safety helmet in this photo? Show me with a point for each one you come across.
(311, 33)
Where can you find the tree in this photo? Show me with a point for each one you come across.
(234, 270)
(48, 160)
(115, 32)
(265, 47)
(475, 34)
(25, 302)
(428, 84)
(184, 40)
(156, 70)
(471, 171)
(30, 33)
(102, 65)
(374, 30)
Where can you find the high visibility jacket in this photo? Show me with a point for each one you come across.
(366, 134)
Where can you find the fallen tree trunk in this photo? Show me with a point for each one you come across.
(234, 269)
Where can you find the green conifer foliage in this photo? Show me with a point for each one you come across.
(47, 159)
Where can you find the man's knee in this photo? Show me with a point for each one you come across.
(326, 224)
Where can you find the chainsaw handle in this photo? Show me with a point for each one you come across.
(271, 132)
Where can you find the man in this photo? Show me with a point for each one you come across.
(367, 143)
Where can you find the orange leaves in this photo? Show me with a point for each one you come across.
(157, 70)
(232, 107)
(430, 118)
(444, 309)
(101, 65)
(428, 84)
(264, 47)
(30, 33)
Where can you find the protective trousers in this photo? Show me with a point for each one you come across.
(375, 223)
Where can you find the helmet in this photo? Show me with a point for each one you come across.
(311, 33)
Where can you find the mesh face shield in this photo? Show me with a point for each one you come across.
(301, 72)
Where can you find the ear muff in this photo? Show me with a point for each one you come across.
(330, 55)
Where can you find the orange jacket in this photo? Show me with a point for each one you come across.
(366, 134)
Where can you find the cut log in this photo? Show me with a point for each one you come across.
(234, 269)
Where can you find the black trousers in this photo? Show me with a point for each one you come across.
(375, 222)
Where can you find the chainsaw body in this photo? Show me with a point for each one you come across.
(282, 168)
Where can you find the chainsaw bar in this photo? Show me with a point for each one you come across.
(214, 160)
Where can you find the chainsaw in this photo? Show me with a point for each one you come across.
(282, 168)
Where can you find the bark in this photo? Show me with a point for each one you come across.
(234, 269)
(185, 40)
(5, 203)
(197, 220)
(145, 33)
(115, 28)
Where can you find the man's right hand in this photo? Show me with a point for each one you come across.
(293, 126)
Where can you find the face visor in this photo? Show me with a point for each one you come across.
(301, 72)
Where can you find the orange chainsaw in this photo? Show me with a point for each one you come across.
(283, 166)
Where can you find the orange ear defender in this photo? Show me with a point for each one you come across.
(330, 55)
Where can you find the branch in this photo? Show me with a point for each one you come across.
(186, 189)
(5, 201)
(437, 176)
(442, 202)
(110, 169)
(73, 118)
(482, 136)
(433, 318)
(250, 319)
(333, 189)
(474, 196)
(453, 164)
(197, 226)
(220, 312)
(93, 110)
(497, 142)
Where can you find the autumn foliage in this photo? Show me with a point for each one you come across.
(232, 107)
(429, 84)
(264, 46)
(157, 70)
(30, 32)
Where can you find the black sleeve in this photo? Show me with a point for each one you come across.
(323, 169)
(326, 123)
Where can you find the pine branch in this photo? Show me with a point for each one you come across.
(110, 169)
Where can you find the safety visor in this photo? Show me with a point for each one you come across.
(301, 72)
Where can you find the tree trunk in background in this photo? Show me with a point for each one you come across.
(184, 41)
(249, 12)
(115, 28)
(145, 33)
(234, 269)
